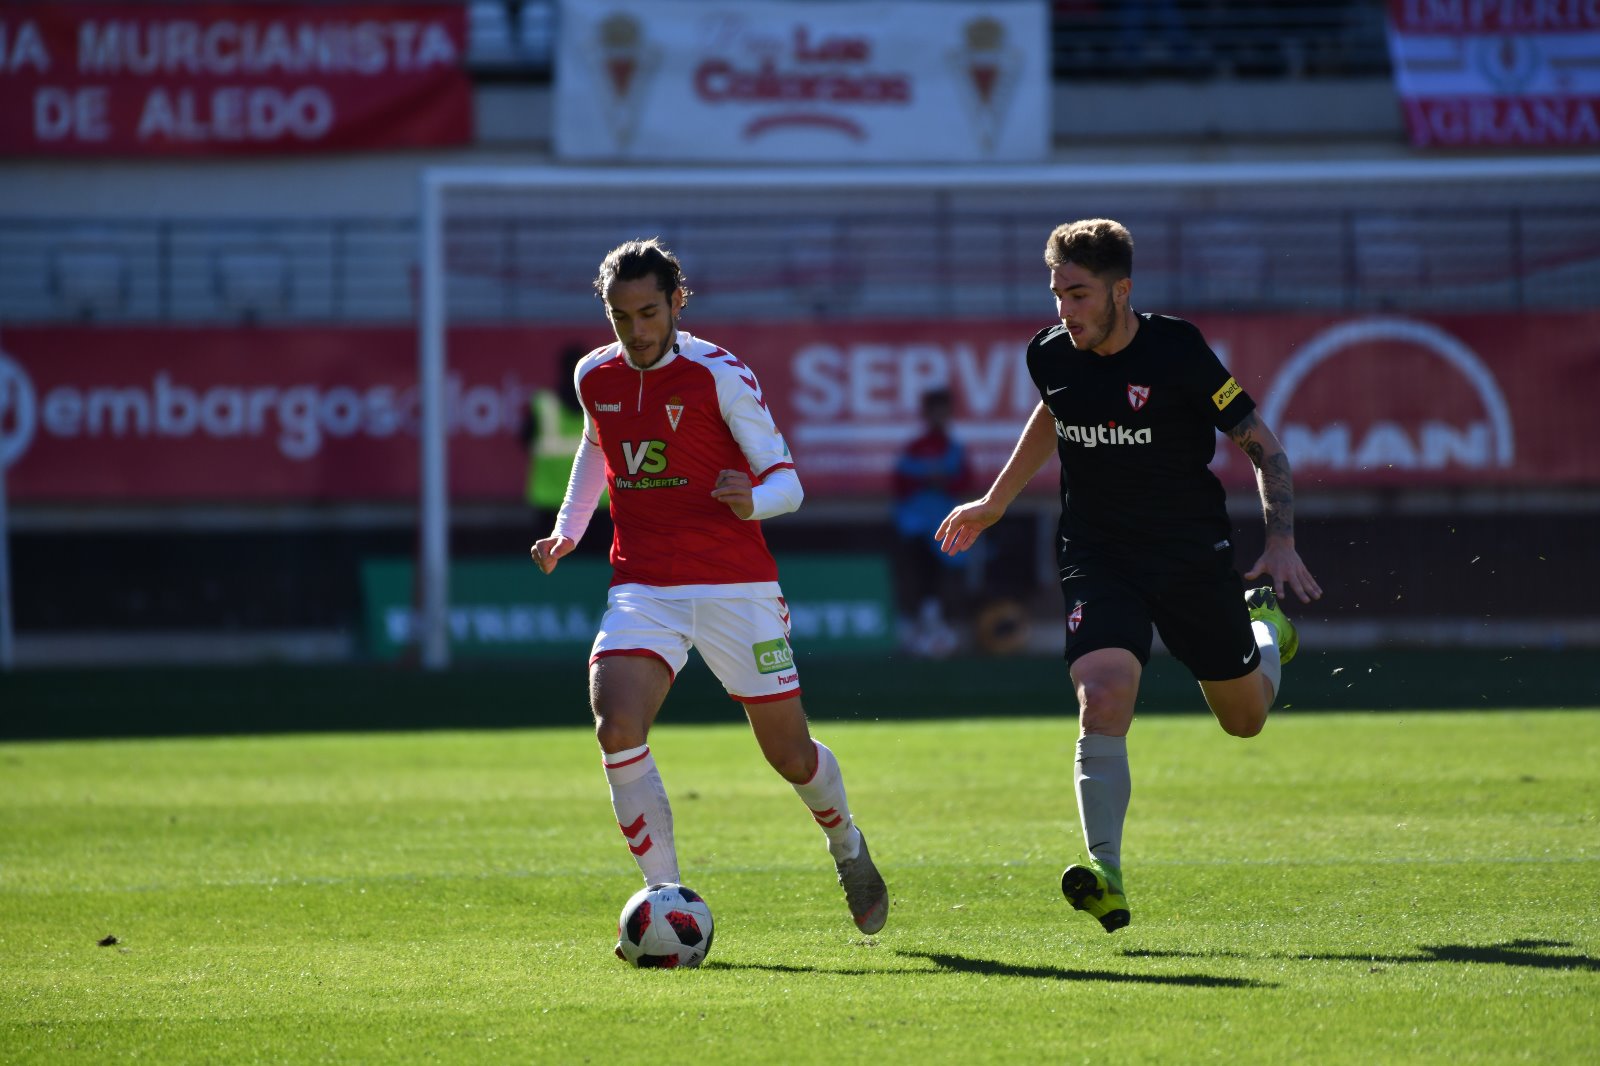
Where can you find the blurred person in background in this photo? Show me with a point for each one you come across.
(1131, 403)
(679, 429)
(931, 476)
(552, 428)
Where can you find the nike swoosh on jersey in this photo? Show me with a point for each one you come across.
(1052, 392)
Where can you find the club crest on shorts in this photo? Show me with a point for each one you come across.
(674, 411)
(1075, 619)
(1138, 395)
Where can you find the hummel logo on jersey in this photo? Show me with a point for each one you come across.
(607, 406)
(1110, 433)
(1137, 395)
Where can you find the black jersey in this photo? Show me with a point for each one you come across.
(1135, 431)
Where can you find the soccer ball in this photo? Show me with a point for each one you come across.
(664, 925)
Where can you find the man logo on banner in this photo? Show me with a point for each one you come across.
(1463, 423)
(988, 70)
(625, 63)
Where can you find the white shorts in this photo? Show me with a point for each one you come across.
(745, 640)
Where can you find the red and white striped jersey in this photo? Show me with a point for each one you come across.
(667, 432)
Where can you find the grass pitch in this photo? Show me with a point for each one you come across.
(1404, 887)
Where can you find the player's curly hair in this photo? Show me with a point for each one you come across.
(637, 259)
(1102, 247)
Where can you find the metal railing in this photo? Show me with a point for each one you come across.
(508, 267)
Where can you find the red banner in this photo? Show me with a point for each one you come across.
(114, 414)
(229, 79)
(1503, 74)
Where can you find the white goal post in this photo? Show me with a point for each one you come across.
(768, 193)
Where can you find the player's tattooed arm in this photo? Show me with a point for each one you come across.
(1257, 441)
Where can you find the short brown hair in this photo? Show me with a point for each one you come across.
(1102, 247)
(637, 259)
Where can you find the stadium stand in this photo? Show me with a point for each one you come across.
(268, 242)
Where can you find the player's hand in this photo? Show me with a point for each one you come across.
(547, 552)
(1281, 561)
(960, 528)
(734, 489)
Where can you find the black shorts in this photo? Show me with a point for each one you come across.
(1199, 610)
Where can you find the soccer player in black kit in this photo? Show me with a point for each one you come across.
(1131, 402)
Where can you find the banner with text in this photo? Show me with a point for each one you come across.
(102, 79)
(724, 81)
(130, 414)
(838, 604)
(1498, 74)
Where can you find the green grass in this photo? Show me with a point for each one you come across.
(1345, 888)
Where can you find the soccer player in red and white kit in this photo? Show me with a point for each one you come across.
(677, 428)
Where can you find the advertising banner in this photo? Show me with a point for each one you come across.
(1362, 401)
(838, 604)
(1497, 74)
(728, 81)
(105, 79)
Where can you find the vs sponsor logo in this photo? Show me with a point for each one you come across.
(773, 656)
(644, 457)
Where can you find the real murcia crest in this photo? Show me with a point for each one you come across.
(988, 70)
(674, 412)
(624, 62)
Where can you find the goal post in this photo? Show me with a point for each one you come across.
(567, 215)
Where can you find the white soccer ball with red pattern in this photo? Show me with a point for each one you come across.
(662, 926)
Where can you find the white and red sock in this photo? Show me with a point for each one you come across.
(824, 796)
(643, 814)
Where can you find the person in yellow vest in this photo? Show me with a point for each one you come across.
(551, 430)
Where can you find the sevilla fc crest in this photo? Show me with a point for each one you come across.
(1075, 619)
(1137, 395)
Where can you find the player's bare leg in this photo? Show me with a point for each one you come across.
(625, 694)
(1241, 705)
(807, 764)
(1107, 685)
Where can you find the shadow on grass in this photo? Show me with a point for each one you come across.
(784, 967)
(1515, 953)
(989, 968)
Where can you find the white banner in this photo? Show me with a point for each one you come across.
(1498, 72)
(741, 81)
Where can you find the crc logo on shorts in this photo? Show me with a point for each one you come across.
(1075, 619)
(772, 656)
